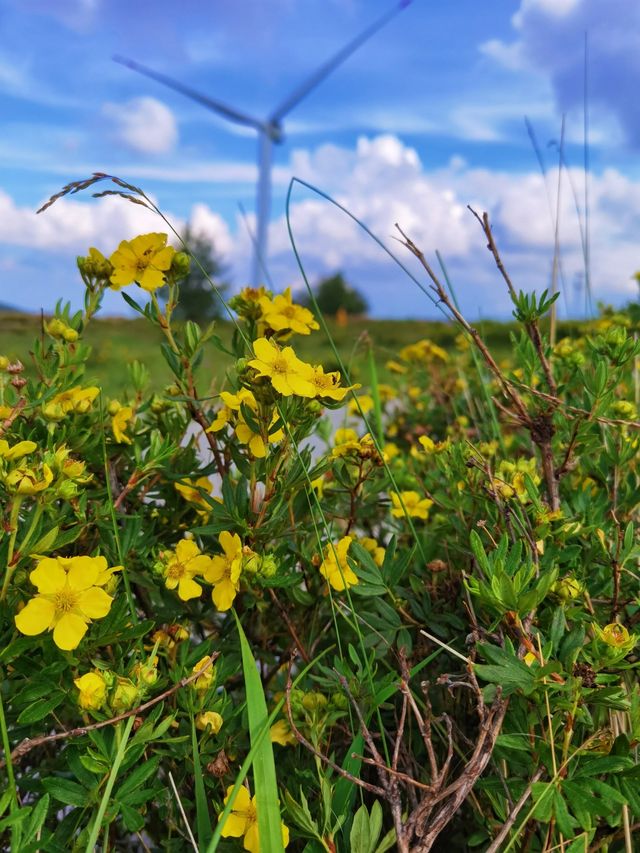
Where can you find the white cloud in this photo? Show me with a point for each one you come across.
(550, 41)
(382, 181)
(143, 124)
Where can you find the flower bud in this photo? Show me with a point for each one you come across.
(92, 690)
(125, 696)
(209, 719)
(180, 265)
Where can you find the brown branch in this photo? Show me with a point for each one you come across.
(28, 744)
(292, 628)
(373, 789)
(505, 384)
(496, 844)
(531, 327)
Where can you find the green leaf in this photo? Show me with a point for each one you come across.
(360, 837)
(264, 769)
(40, 709)
(66, 791)
(137, 778)
(38, 817)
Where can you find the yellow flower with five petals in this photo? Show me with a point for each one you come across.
(287, 373)
(145, 260)
(224, 570)
(69, 598)
(335, 567)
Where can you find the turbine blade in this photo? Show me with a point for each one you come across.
(217, 106)
(326, 69)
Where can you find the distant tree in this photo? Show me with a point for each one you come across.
(198, 301)
(333, 294)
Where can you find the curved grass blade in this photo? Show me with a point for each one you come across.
(264, 767)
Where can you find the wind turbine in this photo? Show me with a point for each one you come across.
(270, 130)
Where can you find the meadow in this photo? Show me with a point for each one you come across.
(421, 636)
(118, 341)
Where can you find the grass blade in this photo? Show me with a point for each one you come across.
(203, 821)
(264, 768)
(111, 781)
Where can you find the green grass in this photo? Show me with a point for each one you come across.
(116, 342)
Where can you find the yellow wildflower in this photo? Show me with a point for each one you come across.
(616, 636)
(17, 451)
(125, 696)
(366, 404)
(145, 260)
(180, 567)
(335, 567)
(414, 505)
(93, 690)
(190, 491)
(204, 681)
(281, 314)
(224, 570)
(280, 732)
(28, 481)
(119, 423)
(346, 441)
(69, 597)
(209, 720)
(76, 400)
(328, 384)
(370, 545)
(287, 373)
(243, 821)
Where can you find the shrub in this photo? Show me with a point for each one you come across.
(428, 620)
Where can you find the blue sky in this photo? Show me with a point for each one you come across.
(427, 117)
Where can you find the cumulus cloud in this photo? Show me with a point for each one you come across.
(143, 124)
(383, 181)
(550, 39)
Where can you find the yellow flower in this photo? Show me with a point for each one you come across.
(209, 719)
(69, 597)
(366, 404)
(190, 491)
(255, 440)
(414, 505)
(616, 636)
(281, 314)
(93, 690)
(328, 384)
(76, 400)
(145, 259)
(224, 570)
(204, 681)
(125, 696)
(120, 421)
(390, 451)
(17, 451)
(346, 441)
(182, 565)
(396, 367)
(370, 545)
(281, 733)
(243, 821)
(335, 567)
(28, 481)
(288, 374)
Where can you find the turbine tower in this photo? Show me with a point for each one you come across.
(269, 130)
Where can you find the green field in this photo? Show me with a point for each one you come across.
(117, 341)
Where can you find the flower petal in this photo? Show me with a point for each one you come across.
(36, 617)
(94, 603)
(188, 588)
(69, 631)
(83, 572)
(48, 576)
(223, 595)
